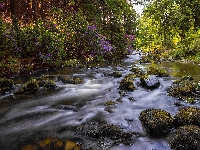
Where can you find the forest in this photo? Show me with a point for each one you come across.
(49, 33)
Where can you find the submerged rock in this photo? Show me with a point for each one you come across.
(187, 116)
(149, 82)
(156, 122)
(6, 85)
(186, 138)
(117, 74)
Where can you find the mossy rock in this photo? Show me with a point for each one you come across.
(137, 71)
(186, 138)
(187, 116)
(29, 87)
(156, 71)
(145, 59)
(6, 85)
(106, 131)
(183, 78)
(185, 91)
(127, 84)
(49, 85)
(117, 74)
(149, 82)
(70, 80)
(156, 122)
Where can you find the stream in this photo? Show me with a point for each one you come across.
(26, 119)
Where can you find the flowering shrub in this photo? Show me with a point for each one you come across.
(98, 45)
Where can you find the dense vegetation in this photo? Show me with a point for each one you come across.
(46, 34)
(172, 28)
(43, 34)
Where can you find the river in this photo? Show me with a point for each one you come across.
(57, 113)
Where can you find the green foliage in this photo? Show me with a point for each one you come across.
(97, 30)
(170, 25)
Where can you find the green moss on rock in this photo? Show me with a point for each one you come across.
(156, 121)
(184, 90)
(187, 116)
(70, 80)
(127, 84)
(117, 74)
(29, 87)
(156, 71)
(186, 138)
(49, 85)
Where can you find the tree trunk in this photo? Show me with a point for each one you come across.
(13, 13)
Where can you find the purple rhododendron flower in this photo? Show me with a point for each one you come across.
(1, 6)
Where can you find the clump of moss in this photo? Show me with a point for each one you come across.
(149, 81)
(186, 138)
(156, 71)
(49, 85)
(29, 87)
(6, 85)
(109, 103)
(187, 116)
(70, 80)
(127, 84)
(117, 74)
(156, 122)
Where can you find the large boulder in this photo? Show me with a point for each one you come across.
(186, 138)
(106, 131)
(156, 122)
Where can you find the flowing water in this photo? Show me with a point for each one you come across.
(57, 113)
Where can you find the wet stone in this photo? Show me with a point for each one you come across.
(149, 82)
(6, 85)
